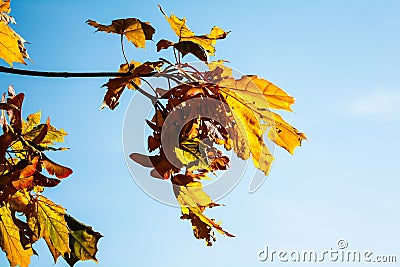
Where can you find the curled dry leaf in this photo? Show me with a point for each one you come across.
(116, 86)
(133, 29)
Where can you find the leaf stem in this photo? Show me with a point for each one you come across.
(123, 50)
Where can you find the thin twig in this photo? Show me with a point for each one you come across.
(152, 98)
(55, 74)
(149, 84)
(193, 68)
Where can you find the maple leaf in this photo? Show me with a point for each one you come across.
(10, 240)
(186, 47)
(250, 99)
(259, 92)
(247, 133)
(284, 134)
(20, 201)
(185, 34)
(116, 86)
(47, 221)
(11, 44)
(163, 44)
(193, 201)
(133, 29)
(82, 241)
(32, 121)
(43, 135)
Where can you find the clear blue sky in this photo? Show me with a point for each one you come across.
(340, 59)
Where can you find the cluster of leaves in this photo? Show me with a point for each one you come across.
(27, 216)
(213, 112)
(207, 111)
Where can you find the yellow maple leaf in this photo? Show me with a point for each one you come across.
(32, 121)
(259, 92)
(9, 45)
(247, 132)
(193, 201)
(250, 99)
(10, 240)
(185, 34)
(284, 134)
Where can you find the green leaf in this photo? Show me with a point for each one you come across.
(82, 241)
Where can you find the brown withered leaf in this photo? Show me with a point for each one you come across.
(133, 29)
(5, 141)
(186, 47)
(15, 113)
(116, 86)
(162, 168)
(163, 44)
(220, 163)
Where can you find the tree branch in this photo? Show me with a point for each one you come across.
(68, 74)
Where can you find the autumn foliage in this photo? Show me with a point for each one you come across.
(207, 111)
(203, 112)
(26, 215)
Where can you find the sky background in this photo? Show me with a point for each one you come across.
(340, 59)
